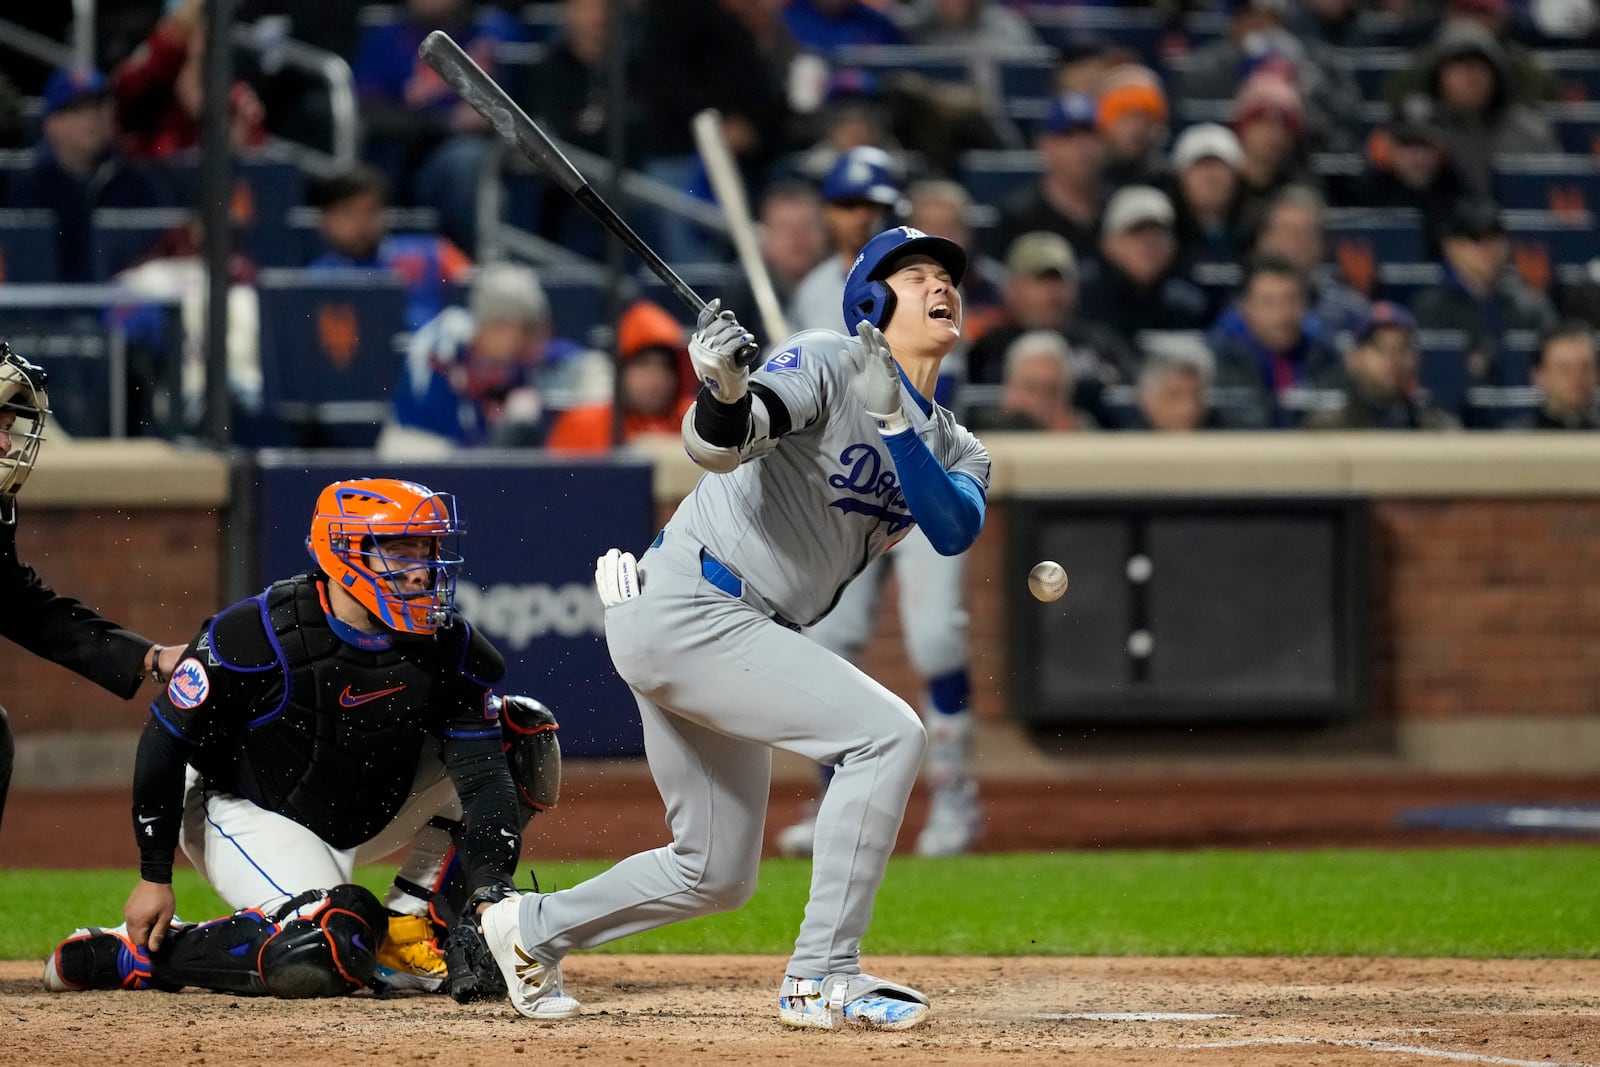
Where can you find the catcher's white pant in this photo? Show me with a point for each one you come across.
(719, 685)
(932, 617)
(255, 858)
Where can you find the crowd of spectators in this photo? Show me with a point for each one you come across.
(1164, 257)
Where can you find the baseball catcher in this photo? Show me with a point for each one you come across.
(335, 717)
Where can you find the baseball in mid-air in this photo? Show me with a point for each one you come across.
(1047, 580)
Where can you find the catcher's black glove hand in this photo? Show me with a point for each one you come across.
(473, 973)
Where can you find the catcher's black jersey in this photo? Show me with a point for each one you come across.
(280, 710)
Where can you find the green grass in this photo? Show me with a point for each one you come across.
(1528, 902)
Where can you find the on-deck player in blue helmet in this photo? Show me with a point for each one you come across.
(866, 297)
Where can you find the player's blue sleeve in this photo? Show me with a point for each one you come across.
(948, 507)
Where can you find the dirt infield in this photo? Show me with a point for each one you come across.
(719, 1010)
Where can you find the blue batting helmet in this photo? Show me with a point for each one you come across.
(866, 297)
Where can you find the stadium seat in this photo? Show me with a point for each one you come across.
(1577, 69)
(1542, 242)
(1373, 67)
(1443, 368)
(265, 189)
(1567, 184)
(28, 247)
(1577, 126)
(1361, 238)
(1144, 30)
(123, 236)
(993, 177)
(577, 298)
(328, 353)
(934, 62)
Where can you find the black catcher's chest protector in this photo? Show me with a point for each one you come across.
(340, 752)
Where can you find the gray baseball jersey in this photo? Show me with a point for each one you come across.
(720, 684)
(805, 518)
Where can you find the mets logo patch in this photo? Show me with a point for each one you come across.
(189, 686)
(784, 360)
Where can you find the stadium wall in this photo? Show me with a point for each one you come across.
(1485, 595)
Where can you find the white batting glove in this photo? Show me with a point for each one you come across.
(875, 380)
(616, 577)
(714, 349)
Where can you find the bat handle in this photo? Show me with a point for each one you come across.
(749, 355)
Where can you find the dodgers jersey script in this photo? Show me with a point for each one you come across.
(798, 523)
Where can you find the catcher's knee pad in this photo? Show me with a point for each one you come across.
(532, 750)
(328, 950)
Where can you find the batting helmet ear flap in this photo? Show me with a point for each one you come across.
(874, 303)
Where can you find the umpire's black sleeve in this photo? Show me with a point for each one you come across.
(62, 630)
(491, 840)
(158, 779)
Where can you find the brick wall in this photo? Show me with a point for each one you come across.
(154, 571)
(1487, 607)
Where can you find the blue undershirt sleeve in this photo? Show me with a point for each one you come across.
(949, 507)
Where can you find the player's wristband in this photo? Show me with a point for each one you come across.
(889, 425)
(155, 664)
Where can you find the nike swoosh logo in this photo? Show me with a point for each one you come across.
(352, 700)
(148, 818)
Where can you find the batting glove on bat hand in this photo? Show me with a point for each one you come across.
(875, 380)
(714, 350)
(616, 576)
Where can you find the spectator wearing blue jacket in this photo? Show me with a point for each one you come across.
(77, 169)
(1272, 365)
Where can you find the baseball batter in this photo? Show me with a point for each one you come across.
(818, 463)
(332, 717)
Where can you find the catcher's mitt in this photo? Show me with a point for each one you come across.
(473, 973)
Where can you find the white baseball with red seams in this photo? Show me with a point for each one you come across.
(1048, 580)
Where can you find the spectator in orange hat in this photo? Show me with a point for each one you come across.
(654, 365)
(1132, 117)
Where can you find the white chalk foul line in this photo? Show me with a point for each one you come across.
(1132, 1016)
(1382, 1046)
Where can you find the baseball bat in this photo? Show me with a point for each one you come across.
(485, 96)
(728, 184)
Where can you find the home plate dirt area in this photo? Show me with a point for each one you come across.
(721, 1010)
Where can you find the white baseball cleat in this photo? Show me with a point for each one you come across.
(954, 821)
(850, 1000)
(534, 986)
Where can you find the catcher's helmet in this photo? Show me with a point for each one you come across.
(866, 297)
(23, 398)
(352, 522)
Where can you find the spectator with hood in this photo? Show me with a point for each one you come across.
(655, 387)
(1468, 78)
